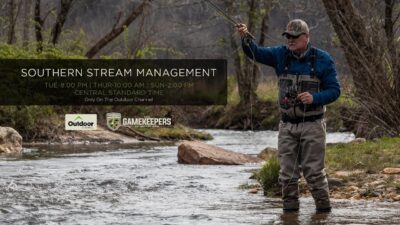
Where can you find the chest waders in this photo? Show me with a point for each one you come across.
(301, 145)
(291, 85)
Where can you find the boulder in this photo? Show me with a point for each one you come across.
(391, 170)
(194, 152)
(335, 182)
(10, 140)
(254, 190)
(267, 153)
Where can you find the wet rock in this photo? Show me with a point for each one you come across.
(391, 170)
(267, 153)
(194, 152)
(390, 195)
(10, 140)
(377, 182)
(396, 198)
(352, 189)
(108, 182)
(254, 191)
(335, 182)
(367, 192)
(380, 187)
(347, 173)
(359, 140)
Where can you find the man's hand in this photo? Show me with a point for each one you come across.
(242, 29)
(305, 98)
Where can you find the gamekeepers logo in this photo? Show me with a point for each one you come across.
(113, 121)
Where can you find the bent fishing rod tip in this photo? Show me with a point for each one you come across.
(229, 18)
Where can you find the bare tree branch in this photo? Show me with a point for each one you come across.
(376, 83)
(61, 17)
(116, 31)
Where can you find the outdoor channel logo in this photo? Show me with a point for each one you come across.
(80, 121)
(115, 120)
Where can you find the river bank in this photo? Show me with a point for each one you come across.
(356, 170)
(124, 135)
(360, 165)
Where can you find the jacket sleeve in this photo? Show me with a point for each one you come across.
(329, 84)
(265, 55)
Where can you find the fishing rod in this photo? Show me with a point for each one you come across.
(227, 17)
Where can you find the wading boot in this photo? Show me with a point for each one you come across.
(322, 202)
(290, 197)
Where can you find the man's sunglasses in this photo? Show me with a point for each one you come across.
(288, 36)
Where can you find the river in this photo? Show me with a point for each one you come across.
(144, 184)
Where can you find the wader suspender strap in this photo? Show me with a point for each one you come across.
(286, 69)
(313, 60)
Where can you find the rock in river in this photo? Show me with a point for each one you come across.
(194, 152)
(10, 140)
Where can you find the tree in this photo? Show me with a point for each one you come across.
(61, 17)
(26, 23)
(58, 25)
(117, 29)
(247, 72)
(38, 26)
(373, 62)
(13, 10)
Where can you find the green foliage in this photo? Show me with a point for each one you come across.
(336, 40)
(271, 120)
(49, 52)
(32, 122)
(73, 46)
(241, 57)
(233, 94)
(372, 156)
(150, 52)
(268, 91)
(248, 186)
(222, 41)
(268, 176)
(40, 122)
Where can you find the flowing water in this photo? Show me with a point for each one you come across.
(144, 184)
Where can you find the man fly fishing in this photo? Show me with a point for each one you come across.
(307, 82)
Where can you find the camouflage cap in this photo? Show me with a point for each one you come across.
(296, 27)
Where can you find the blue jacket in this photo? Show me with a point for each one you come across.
(324, 68)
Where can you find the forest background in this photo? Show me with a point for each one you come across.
(361, 35)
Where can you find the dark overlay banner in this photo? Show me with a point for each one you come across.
(113, 82)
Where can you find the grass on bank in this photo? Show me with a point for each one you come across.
(177, 132)
(371, 156)
(268, 177)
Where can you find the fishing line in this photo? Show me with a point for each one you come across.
(227, 17)
(248, 35)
